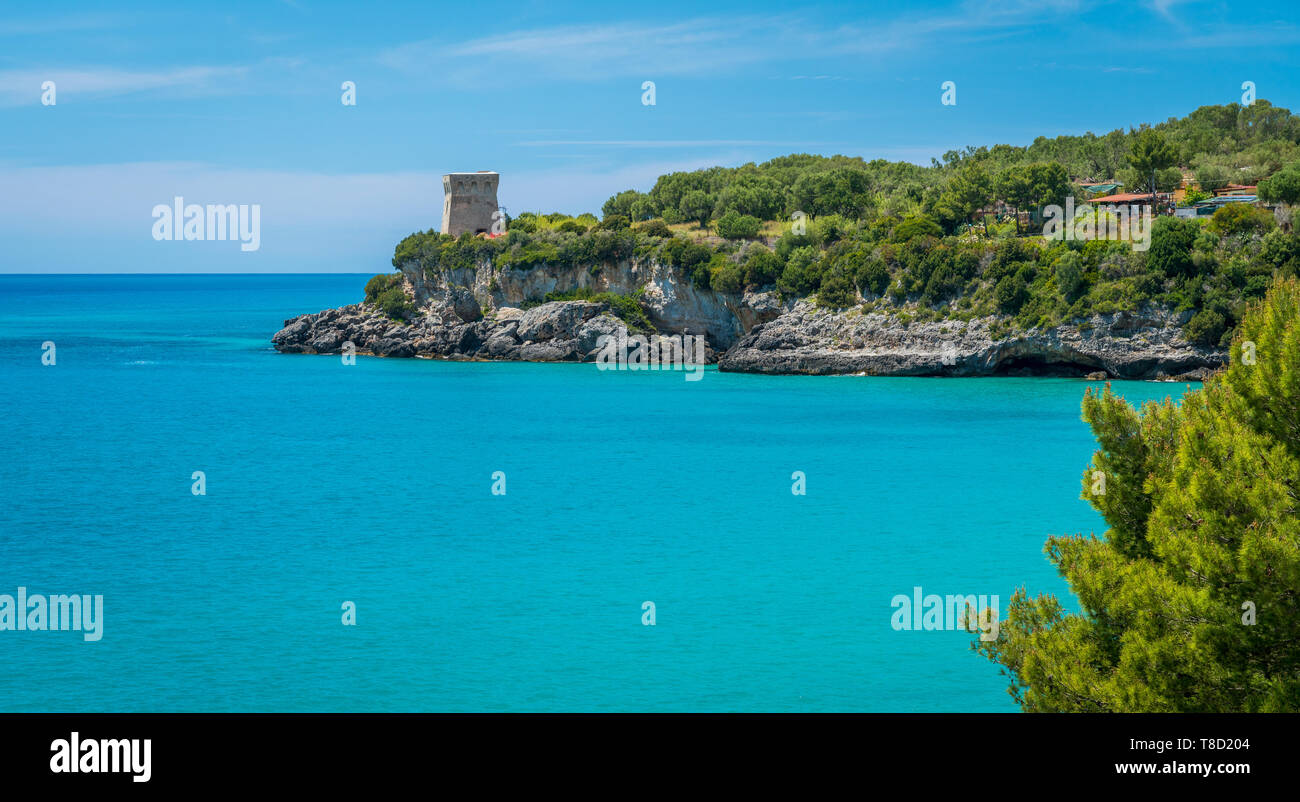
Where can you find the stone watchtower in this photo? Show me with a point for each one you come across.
(468, 202)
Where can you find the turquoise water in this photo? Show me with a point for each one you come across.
(372, 483)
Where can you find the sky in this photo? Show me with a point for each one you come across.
(241, 103)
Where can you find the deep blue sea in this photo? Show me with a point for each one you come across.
(371, 483)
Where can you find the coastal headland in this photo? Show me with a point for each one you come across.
(484, 313)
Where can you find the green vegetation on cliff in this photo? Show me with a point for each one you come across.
(385, 292)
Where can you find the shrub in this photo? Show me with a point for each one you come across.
(611, 246)
(613, 222)
(523, 255)
(702, 276)
(653, 228)
(1069, 275)
(1283, 186)
(837, 292)
(1010, 254)
(1170, 253)
(788, 242)
(917, 226)
(685, 253)
(762, 268)
(422, 247)
(830, 229)
(526, 222)
(1281, 251)
(387, 292)
(726, 275)
(864, 269)
(874, 276)
(737, 226)
(378, 284)
(802, 272)
(944, 282)
(1240, 218)
(1010, 293)
(1206, 327)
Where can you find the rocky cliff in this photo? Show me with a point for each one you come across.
(671, 302)
(559, 331)
(478, 313)
(1143, 345)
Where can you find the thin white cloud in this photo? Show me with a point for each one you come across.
(1165, 8)
(23, 87)
(587, 52)
(698, 46)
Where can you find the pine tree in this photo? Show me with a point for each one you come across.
(1191, 600)
(1150, 154)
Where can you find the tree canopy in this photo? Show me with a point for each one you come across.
(1220, 144)
(1191, 599)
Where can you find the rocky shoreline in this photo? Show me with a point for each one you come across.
(479, 315)
(1145, 345)
(558, 331)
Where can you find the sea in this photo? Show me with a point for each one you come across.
(276, 532)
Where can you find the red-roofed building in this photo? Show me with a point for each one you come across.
(1140, 198)
(1163, 203)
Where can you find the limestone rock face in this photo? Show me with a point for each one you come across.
(484, 313)
(671, 302)
(588, 341)
(1141, 345)
(555, 319)
(465, 305)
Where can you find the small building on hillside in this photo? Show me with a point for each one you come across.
(1211, 205)
(1106, 188)
(1234, 189)
(1159, 202)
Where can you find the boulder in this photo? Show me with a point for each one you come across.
(599, 326)
(556, 319)
(551, 351)
(465, 305)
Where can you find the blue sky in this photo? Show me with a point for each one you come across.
(239, 102)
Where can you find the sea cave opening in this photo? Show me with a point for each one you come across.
(1029, 365)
